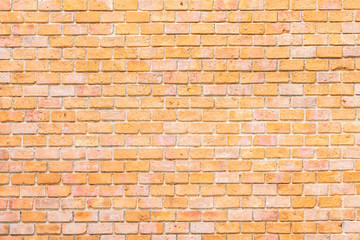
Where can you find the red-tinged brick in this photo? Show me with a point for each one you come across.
(111, 216)
(10, 217)
(73, 203)
(21, 154)
(22, 229)
(110, 190)
(62, 216)
(100, 228)
(317, 190)
(3, 203)
(43, 203)
(74, 228)
(73, 154)
(151, 228)
(58, 191)
(24, 128)
(126, 228)
(89, 166)
(5, 5)
(149, 202)
(47, 153)
(177, 228)
(26, 203)
(124, 203)
(128, 178)
(84, 191)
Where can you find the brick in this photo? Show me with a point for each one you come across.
(20, 203)
(277, 5)
(349, 4)
(251, 5)
(22, 229)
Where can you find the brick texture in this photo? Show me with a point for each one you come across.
(179, 119)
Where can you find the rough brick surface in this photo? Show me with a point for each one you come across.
(179, 119)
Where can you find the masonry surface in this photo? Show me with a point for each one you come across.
(179, 119)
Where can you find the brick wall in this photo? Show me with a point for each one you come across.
(179, 119)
